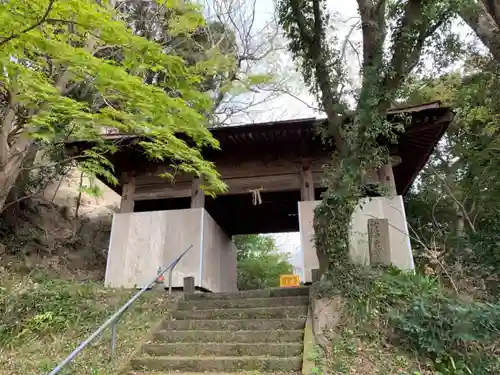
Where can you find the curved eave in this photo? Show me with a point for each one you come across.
(427, 126)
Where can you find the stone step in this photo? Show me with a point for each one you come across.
(249, 313)
(243, 303)
(229, 336)
(234, 325)
(261, 293)
(224, 349)
(223, 364)
(212, 373)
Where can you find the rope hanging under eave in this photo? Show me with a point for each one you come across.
(256, 198)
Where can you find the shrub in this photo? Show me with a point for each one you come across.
(418, 314)
(43, 320)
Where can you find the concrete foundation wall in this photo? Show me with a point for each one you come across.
(218, 258)
(399, 240)
(380, 208)
(306, 216)
(141, 242)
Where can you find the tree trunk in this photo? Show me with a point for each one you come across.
(12, 169)
(460, 221)
(484, 23)
(14, 204)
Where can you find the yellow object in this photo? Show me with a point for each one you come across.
(289, 281)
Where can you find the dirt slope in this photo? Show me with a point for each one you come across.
(50, 235)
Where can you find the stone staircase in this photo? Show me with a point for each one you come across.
(259, 330)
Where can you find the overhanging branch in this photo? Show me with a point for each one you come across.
(409, 40)
(483, 23)
(32, 27)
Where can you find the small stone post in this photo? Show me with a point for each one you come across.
(315, 275)
(188, 286)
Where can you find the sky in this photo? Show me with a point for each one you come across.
(301, 104)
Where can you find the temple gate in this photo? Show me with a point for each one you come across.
(274, 176)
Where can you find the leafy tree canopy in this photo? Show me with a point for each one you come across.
(455, 203)
(260, 263)
(49, 47)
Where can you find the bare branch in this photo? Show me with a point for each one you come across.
(426, 247)
(283, 91)
(455, 199)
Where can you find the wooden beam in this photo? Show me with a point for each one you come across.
(162, 191)
(396, 160)
(285, 182)
(306, 183)
(197, 195)
(242, 181)
(149, 177)
(230, 169)
(128, 191)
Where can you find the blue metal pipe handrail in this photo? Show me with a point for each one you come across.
(114, 319)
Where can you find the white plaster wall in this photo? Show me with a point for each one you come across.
(141, 242)
(306, 216)
(380, 208)
(218, 258)
(399, 240)
(183, 229)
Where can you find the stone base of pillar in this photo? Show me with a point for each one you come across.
(398, 241)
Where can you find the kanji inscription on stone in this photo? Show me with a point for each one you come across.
(378, 242)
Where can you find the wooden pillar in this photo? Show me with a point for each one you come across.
(197, 196)
(396, 160)
(306, 183)
(128, 191)
(386, 176)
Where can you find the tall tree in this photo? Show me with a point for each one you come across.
(49, 47)
(483, 17)
(252, 244)
(212, 45)
(455, 207)
(242, 50)
(258, 76)
(405, 27)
